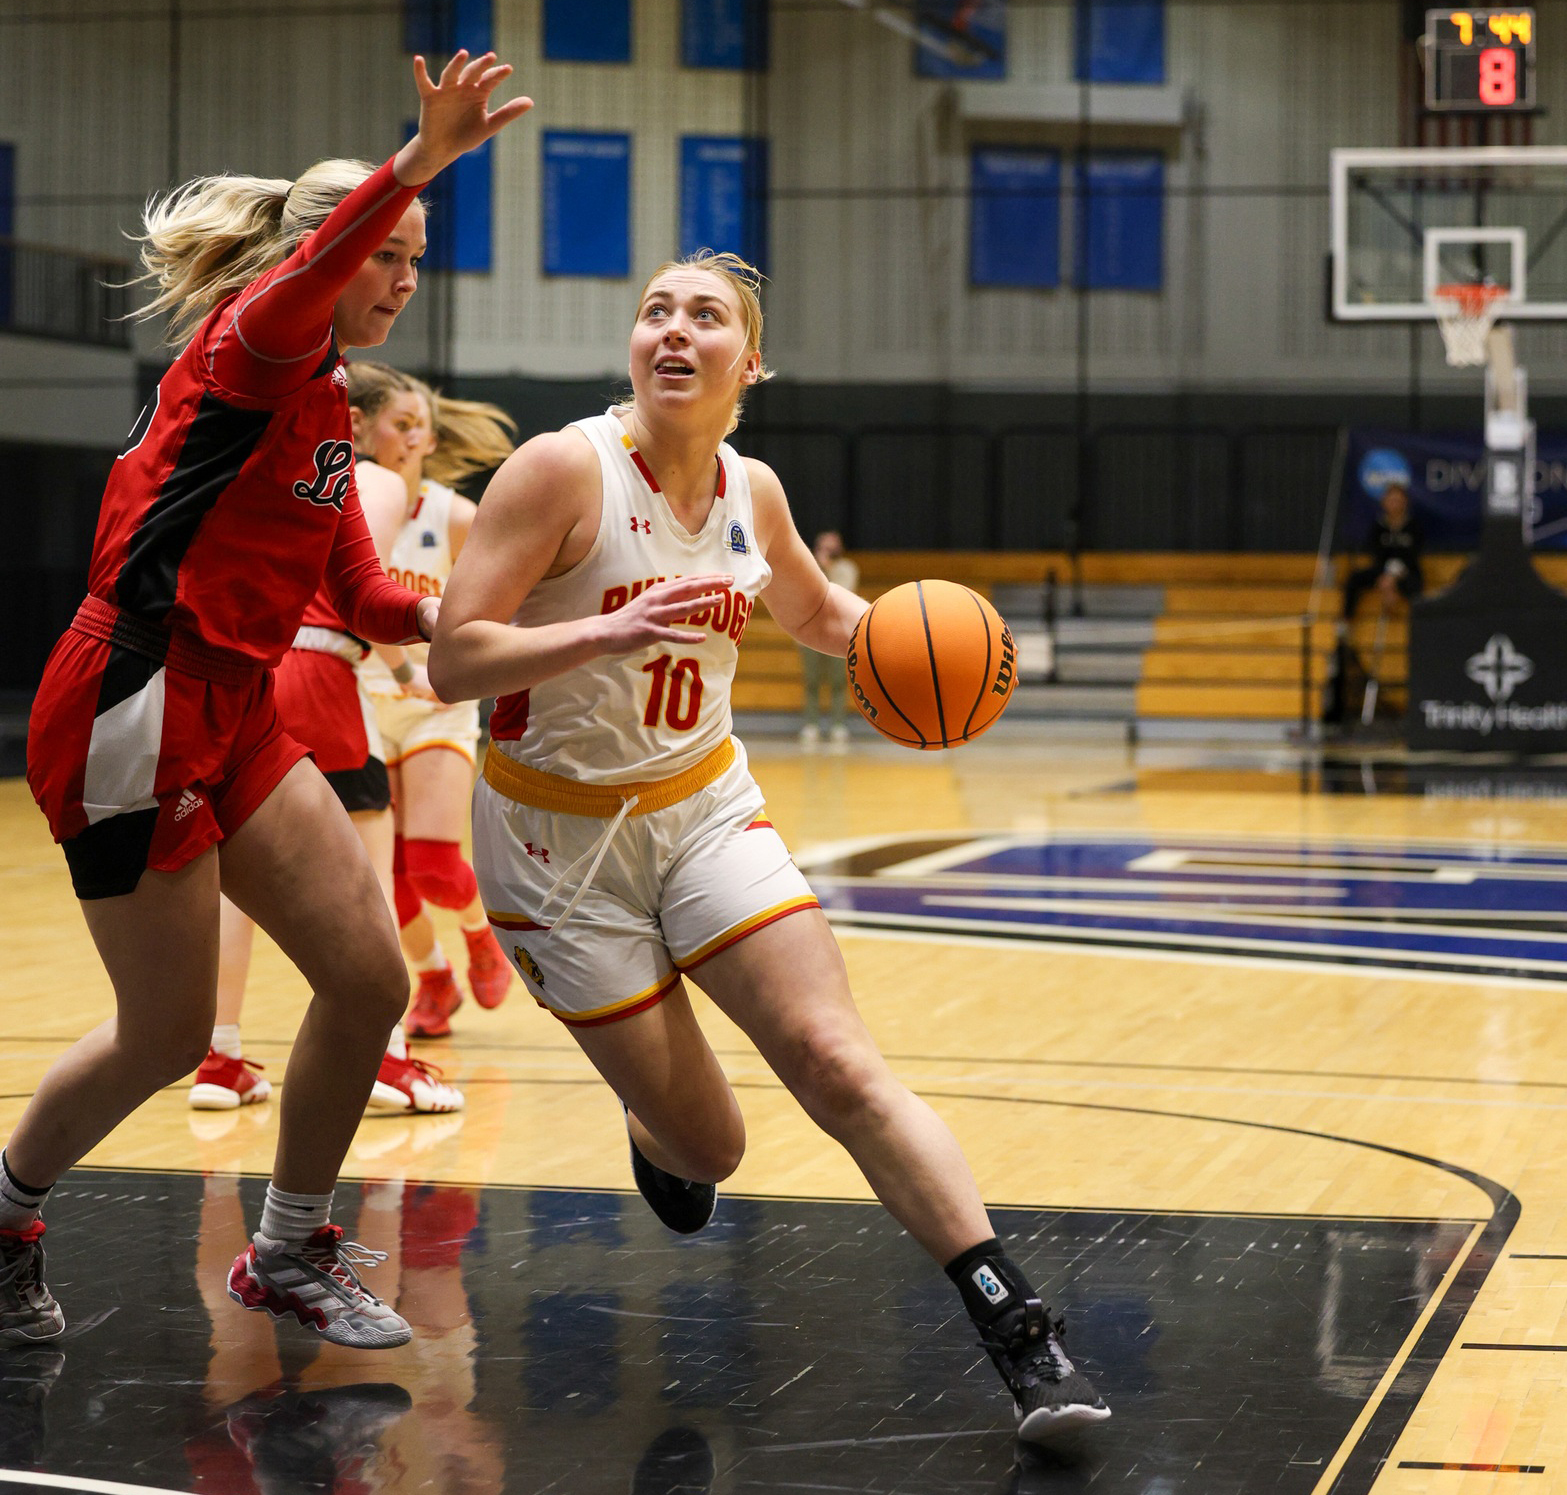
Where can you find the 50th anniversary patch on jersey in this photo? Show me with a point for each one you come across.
(1407, 905)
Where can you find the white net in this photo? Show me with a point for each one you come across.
(1466, 314)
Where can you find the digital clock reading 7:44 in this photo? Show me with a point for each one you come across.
(1480, 61)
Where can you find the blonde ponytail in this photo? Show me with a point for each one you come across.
(213, 236)
(470, 436)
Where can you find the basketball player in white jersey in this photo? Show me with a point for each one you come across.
(426, 441)
(621, 843)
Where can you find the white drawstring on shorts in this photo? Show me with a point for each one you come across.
(598, 851)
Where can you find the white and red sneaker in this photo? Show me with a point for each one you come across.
(430, 1012)
(317, 1283)
(489, 974)
(412, 1085)
(223, 1083)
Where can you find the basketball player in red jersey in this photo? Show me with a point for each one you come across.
(155, 750)
(612, 786)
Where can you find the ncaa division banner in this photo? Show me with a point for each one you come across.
(1445, 477)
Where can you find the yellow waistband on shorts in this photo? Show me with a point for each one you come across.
(549, 791)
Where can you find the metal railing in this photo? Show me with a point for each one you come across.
(64, 294)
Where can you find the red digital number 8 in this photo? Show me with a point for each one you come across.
(1498, 77)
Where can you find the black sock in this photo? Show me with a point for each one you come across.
(991, 1283)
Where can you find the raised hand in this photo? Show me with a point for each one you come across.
(650, 617)
(454, 113)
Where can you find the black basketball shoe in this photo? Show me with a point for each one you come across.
(1053, 1398)
(685, 1207)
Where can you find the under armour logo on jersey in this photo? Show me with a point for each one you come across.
(541, 852)
(334, 462)
(645, 525)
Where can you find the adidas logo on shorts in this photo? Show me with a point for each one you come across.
(189, 801)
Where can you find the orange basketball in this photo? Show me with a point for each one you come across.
(931, 664)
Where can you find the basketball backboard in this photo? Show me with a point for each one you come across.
(1406, 223)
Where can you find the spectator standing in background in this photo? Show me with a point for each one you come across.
(816, 668)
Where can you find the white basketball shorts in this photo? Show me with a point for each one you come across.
(677, 885)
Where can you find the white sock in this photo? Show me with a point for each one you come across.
(435, 961)
(19, 1202)
(397, 1044)
(291, 1219)
(225, 1040)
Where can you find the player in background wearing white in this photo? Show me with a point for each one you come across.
(317, 707)
(429, 441)
(621, 843)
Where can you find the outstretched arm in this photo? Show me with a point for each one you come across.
(280, 327)
(809, 608)
(543, 493)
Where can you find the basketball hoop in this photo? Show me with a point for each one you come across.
(1466, 311)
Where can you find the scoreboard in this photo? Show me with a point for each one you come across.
(1480, 61)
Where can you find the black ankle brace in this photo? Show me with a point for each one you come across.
(991, 1283)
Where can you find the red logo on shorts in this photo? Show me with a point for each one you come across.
(536, 851)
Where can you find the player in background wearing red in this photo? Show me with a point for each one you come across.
(429, 441)
(364, 742)
(623, 847)
(155, 748)
(322, 706)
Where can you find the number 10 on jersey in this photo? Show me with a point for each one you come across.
(676, 694)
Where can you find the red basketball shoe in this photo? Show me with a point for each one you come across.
(222, 1083)
(488, 972)
(429, 1015)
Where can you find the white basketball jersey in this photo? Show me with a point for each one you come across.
(626, 717)
(421, 560)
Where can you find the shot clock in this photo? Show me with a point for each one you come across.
(1480, 61)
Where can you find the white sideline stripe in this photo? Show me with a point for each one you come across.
(952, 934)
(74, 1482)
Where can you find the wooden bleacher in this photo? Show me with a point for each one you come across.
(1227, 645)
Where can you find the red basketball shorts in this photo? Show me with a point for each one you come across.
(138, 764)
(322, 706)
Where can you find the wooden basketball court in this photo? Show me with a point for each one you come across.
(1262, 1072)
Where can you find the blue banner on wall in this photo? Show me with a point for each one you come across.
(1120, 223)
(723, 196)
(1445, 477)
(983, 21)
(1120, 41)
(441, 27)
(587, 204)
(1014, 217)
(587, 30)
(724, 34)
(458, 230)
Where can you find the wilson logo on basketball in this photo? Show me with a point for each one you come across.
(1008, 664)
(328, 488)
